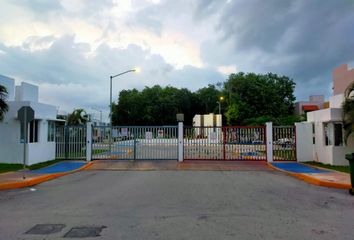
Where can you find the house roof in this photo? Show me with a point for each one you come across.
(310, 107)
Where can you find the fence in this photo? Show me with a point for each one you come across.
(161, 143)
(70, 142)
(135, 143)
(225, 143)
(284, 143)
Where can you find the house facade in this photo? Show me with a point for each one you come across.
(316, 102)
(327, 124)
(41, 131)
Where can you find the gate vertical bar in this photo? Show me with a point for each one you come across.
(269, 141)
(180, 141)
(89, 141)
(224, 142)
(135, 133)
(66, 141)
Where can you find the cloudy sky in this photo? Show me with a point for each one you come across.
(71, 47)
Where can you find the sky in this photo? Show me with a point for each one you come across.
(69, 48)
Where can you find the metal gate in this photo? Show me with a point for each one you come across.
(135, 143)
(284, 143)
(70, 142)
(225, 143)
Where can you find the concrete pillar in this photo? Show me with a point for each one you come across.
(269, 144)
(180, 141)
(88, 141)
(304, 142)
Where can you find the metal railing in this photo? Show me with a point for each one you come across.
(225, 143)
(284, 143)
(70, 142)
(135, 143)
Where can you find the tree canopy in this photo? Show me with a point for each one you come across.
(77, 117)
(250, 99)
(3, 105)
(251, 96)
(348, 111)
(159, 105)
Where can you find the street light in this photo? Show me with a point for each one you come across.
(219, 102)
(137, 70)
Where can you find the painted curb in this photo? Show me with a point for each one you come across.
(313, 180)
(39, 179)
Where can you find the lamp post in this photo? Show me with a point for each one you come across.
(219, 102)
(110, 103)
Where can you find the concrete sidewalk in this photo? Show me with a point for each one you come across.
(158, 165)
(314, 175)
(16, 179)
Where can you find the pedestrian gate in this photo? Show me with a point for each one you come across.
(225, 143)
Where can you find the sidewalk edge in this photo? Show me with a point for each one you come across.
(313, 180)
(39, 179)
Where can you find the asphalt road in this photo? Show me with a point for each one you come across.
(180, 205)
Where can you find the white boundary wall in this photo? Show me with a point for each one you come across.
(304, 142)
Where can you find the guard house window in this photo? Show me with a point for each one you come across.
(33, 131)
(328, 133)
(313, 133)
(338, 134)
(51, 131)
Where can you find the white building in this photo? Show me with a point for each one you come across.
(327, 126)
(208, 126)
(41, 131)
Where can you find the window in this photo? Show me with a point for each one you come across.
(51, 131)
(338, 134)
(33, 131)
(333, 134)
(328, 133)
(313, 134)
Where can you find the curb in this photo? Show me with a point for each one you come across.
(39, 179)
(313, 180)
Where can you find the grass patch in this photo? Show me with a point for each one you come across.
(9, 167)
(43, 164)
(337, 168)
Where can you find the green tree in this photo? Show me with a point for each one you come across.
(207, 98)
(3, 105)
(259, 95)
(154, 106)
(348, 111)
(78, 117)
(232, 114)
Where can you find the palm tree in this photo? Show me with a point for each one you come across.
(348, 111)
(78, 117)
(3, 105)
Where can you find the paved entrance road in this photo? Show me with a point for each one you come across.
(180, 205)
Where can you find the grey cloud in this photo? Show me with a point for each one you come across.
(302, 39)
(195, 78)
(44, 8)
(148, 18)
(39, 6)
(67, 64)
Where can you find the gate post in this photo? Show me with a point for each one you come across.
(88, 141)
(66, 141)
(269, 139)
(180, 141)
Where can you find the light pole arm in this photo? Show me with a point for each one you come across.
(131, 70)
(110, 105)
